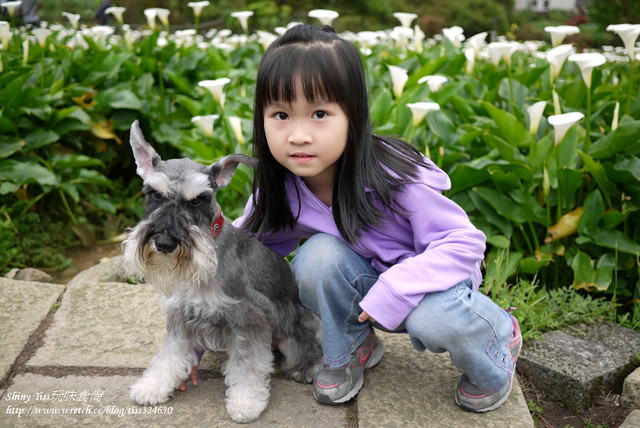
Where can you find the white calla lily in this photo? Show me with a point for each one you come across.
(470, 55)
(205, 123)
(535, 115)
(405, 18)
(163, 16)
(454, 34)
(434, 81)
(401, 35)
(243, 17)
(559, 32)
(5, 34)
(506, 50)
(562, 122)
(628, 33)
(399, 77)
(197, 7)
(477, 42)
(587, 62)
(418, 38)
(11, 7)
(556, 57)
(41, 36)
(117, 12)
(151, 14)
(325, 16)
(73, 19)
(236, 127)
(216, 87)
(421, 109)
(25, 52)
(616, 114)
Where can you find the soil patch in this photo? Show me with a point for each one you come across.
(83, 258)
(607, 411)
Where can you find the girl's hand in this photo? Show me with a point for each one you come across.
(364, 317)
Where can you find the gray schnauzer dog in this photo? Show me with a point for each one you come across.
(221, 288)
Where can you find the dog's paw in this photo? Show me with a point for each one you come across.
(302, 377)
(245, 412)
(148, 392)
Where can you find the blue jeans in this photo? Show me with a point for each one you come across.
(332, 280)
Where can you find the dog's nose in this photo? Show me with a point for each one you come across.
(165, 243)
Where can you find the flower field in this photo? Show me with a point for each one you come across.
(541, 142)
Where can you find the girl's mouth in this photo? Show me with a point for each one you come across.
(302, 157)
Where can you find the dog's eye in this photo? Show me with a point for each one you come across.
(196, 201)
(157, 195)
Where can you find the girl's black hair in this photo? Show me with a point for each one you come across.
(327, 68)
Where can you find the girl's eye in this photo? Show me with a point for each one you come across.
(320, 114)
(281, 116)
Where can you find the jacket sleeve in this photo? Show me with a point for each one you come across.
(448, 250)
(282, 242)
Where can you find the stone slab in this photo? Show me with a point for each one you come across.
(104, 324)
(408, 389)
(632, 421)
(104, 401)
(631, 389)
(23, 306)
(577, 364)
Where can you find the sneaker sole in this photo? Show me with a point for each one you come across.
(490, 408)
(377, 354)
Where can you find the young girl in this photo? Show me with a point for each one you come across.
(383, 246)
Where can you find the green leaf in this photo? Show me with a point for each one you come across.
(599, 174)
(512, 130)
(90, 176)
(442, 126)
(119, 98)
(593, 212)
(9, 146)
(75, 161)
(103, 204)
(614, 239)
(625, 139)
(40, 138)
(507, 151)
(531, 265)
(70, 190)
(504, 205)
(585, 276)
(180, 82)
(27, 172)
(380, 108)
(630, 165)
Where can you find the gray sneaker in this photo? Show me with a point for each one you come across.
(471, 398)
(336, 385)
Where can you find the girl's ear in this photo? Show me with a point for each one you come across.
(222, 171)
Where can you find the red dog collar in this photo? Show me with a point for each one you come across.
(216, 227)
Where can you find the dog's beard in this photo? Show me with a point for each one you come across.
(190, 263)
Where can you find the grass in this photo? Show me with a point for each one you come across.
(540, 309)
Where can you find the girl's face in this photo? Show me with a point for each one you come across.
(307, 138)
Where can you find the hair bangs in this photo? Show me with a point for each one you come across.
(304, 68)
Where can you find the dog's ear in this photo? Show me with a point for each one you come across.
(146, 158)
(222, 171)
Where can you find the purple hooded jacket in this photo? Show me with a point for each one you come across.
(431, 247)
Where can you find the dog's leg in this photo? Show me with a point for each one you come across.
(165, 372)
(302, 349)
(246, 374)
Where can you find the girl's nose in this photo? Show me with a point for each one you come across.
(300, 134)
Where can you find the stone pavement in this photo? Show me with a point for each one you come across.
(68, 355)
